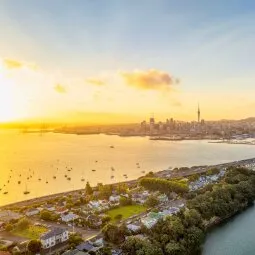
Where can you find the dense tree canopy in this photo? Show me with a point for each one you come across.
(163, 185)
(114, 234)
(134, 246)
(34, 246)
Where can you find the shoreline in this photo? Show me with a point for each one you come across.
(159, 174)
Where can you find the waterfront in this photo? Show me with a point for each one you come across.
(236, 237)
(49, 155)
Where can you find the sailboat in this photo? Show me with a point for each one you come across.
(26, 191)
(5, 193)
(82, 178)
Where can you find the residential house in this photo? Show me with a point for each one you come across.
(140, 197)
(49, 207)
(116, 252)
(32, 212)
(53, 237)
(150, 219)
(69, 217)
(133, 228)
(162, 198)
(20, 248)
(6, 216)
(61, 210)
(114, 198)
(87, 246)
(94, 205)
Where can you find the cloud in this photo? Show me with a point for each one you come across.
(12, 64)
(149, 80)
(95, 81)
(15, 64)
(60, 88)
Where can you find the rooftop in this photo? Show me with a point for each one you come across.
(53, 232)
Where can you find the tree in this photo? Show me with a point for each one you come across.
(74, 240)
(152, 201)
(105, 251)
(122, 188)
(164, 186)
(34, 246)
(113, 233)
(174, 248)
(118, 217)
(125, 201)
(194, 237)
(106, 219)
(22, 224)
(48, 216)
(137, 246)
(9, 227)
(105, 191)
(88, 189)
(192, 218)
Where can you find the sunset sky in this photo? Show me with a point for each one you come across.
(97, 61)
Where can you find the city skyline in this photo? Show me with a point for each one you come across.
(93, 63)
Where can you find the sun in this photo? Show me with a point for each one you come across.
(10, 103)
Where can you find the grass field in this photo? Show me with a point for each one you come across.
(126, 211)
(32, 232)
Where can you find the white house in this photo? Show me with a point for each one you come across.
(94, 204)
(114, 198)
(53, 237)
(133, 227)
(69, 217)
(50, 208)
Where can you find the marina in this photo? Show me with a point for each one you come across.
(44, 162)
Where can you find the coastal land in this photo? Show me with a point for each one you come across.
(168, 173)
(178, 193)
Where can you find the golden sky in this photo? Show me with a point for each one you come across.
(95, 62)
(28, 93)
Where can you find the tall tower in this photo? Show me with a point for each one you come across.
(198, 114)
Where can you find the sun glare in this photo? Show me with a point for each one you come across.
(10, 107)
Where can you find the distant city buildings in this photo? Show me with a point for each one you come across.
(172, 129)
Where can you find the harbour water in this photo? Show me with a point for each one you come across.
(33, 160)
(236, 237)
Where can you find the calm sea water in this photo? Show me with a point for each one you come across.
(233, 238)
(49, 155)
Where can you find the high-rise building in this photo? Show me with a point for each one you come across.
(198, 114)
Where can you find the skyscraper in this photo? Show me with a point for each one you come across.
(198, 114)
